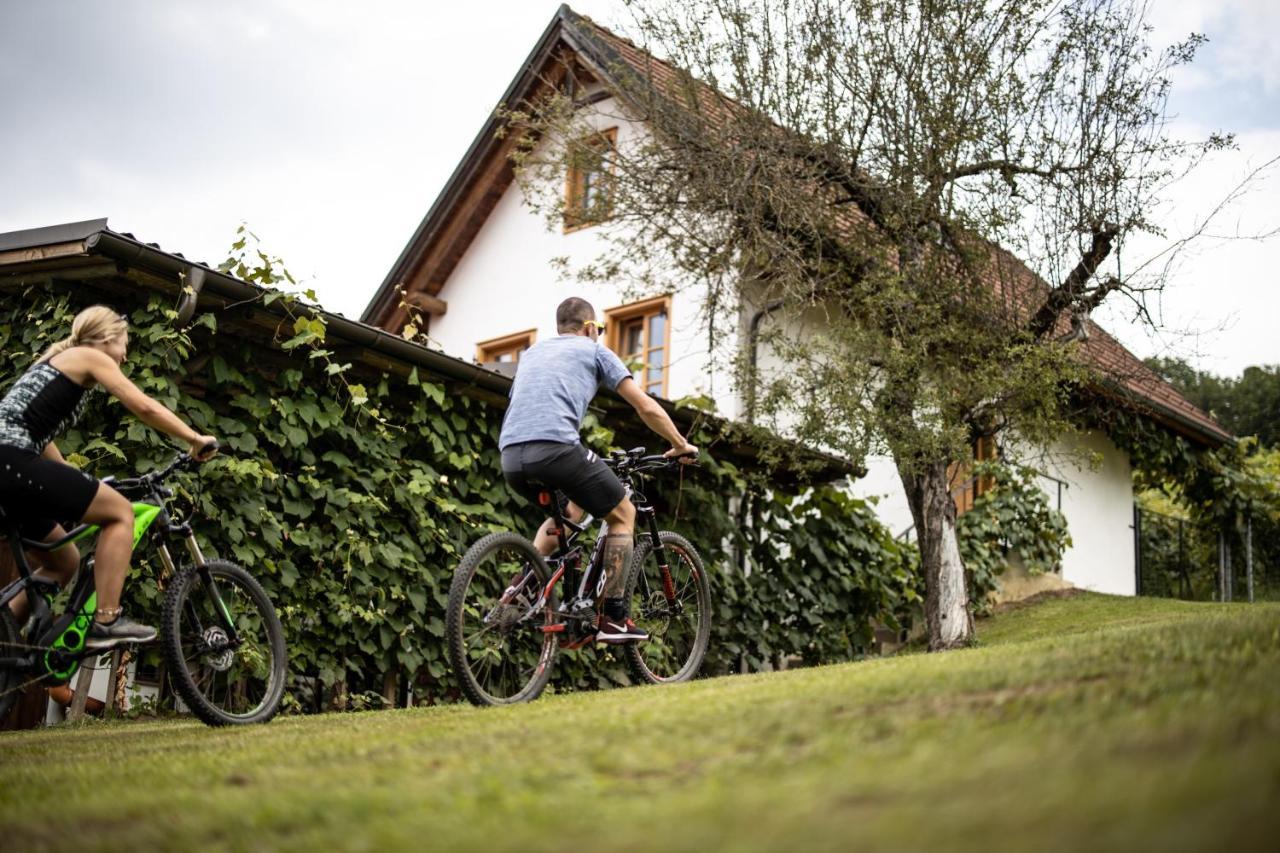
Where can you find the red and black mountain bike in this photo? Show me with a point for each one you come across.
(510, 609)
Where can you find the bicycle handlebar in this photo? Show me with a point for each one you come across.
(182, 460)
(634, 461)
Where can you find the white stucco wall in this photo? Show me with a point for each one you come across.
(1098, 504)
(507, 282)
(1097, 498)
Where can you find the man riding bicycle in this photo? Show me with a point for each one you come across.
(541, 448)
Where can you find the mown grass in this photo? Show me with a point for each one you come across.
(1080, 723)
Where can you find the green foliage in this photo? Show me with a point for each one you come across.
(1012, 518)
(1224, 489)
(821, 572)
(1218, 486)
(351, 495)
(1246, 406)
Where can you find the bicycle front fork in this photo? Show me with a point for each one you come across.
(197, 558)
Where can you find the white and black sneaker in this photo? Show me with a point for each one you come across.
(108, 635)
(624, 631)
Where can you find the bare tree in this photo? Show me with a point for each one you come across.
(878, 173)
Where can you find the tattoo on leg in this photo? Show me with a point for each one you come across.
(617, 556)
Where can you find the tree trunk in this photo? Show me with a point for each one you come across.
(946, 601)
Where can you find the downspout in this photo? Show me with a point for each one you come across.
(753, 341)
(192, 282)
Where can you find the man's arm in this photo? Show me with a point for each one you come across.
(655, 417)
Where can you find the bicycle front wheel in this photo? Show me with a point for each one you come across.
(224, 681)
(672, 603)
(497, 644)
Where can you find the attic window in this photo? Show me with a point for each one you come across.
(588, 185)
(506, 349)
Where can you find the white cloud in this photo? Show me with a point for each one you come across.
(331, 126)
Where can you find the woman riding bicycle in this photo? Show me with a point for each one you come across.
(39, 490)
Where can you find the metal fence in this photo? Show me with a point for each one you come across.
(1177, 559)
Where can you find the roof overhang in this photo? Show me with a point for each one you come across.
(90, 248)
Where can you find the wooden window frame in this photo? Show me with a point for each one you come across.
(575, 219)
(485, 350)
(615, 318)
(958, 474)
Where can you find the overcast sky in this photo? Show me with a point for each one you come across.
(330, 127)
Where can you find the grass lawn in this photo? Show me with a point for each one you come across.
(1081, 723)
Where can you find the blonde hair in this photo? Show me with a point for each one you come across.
(95, 325)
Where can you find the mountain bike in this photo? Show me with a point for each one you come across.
(222, 643)
(506, 618)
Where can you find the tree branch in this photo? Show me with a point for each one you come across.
(1072, 289)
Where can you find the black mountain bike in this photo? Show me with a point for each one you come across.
(506, 616)
(222, 642)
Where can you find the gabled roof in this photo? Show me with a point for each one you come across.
(469, 195)
(485, 173)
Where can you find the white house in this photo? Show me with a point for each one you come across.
(481, 266)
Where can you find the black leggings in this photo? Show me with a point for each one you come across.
(38, 493)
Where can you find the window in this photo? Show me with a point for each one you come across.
(640, 334)
(588, 183)
(965, 487)
(505, 349)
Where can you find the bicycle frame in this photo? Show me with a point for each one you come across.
(61, 639)
(564, 561)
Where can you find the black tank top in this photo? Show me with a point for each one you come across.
(41, 405)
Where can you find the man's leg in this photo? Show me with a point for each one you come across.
(543, 541)
(619, 543)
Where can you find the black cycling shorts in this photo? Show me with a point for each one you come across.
(538, 466)
(40, 493)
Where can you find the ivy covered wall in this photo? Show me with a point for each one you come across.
(352, 492)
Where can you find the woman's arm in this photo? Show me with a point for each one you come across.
(51, 452)
(106, 373)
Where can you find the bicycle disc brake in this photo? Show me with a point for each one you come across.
(216, 638)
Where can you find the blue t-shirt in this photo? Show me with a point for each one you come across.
(555, 380)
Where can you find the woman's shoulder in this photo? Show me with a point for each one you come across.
(80, 363)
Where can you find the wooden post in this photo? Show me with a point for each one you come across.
(83, 679)
(1228, 573)
(1221, 593)
(32, 705)
(1248, 555)
(110, 709)
(1137, 550)
(1184, 581)
(390, 686)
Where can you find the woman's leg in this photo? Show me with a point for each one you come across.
(114, 515)
(59, 566)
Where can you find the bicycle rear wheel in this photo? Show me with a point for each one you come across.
(675, 610)
(496, 643)
(223, 684)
